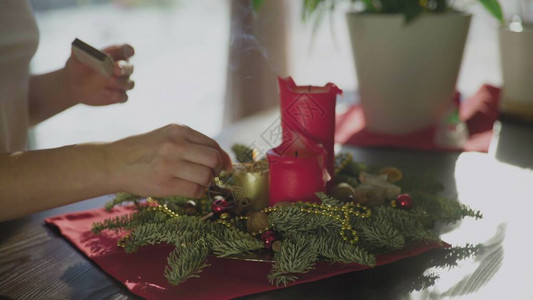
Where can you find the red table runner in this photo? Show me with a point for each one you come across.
(478, 112)
(142, 272)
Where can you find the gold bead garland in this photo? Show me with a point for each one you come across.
(341, 214)
(162, 208)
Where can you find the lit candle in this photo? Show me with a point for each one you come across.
(310, 112)
(297, 172)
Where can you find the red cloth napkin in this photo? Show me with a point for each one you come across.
(479, 113)
(142, 272)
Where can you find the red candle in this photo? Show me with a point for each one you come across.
(310, 112)
(297, 172)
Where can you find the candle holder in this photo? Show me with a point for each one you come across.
(248, 185)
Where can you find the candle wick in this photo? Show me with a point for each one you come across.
(309, 88)
(296, 154)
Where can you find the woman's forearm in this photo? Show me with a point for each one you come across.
(169, 161)
(48, 96)
(38, 180)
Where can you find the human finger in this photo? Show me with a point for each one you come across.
(204, 155)
(120, 52)
(123, 68)
(121, 83)
(183, 188)
(115, 96)
(202, 139)
(194, 172)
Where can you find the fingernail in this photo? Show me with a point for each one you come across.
(129, 51)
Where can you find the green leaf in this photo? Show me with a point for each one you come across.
(411, 10)
(309, 7)
(257, 4)
(369, 6)
(494, 8)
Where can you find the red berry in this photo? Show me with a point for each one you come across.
(219, 205)
(404, 201)
(268, 242)
(268, 238)
(267, 234)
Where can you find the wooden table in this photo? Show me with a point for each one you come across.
(35, 262)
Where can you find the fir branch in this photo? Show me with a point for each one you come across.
(291, 220)
(296, 256)
(281, 279)
(350, 168)
(121, 198)
(443, 209)
(231, 242)
(333, 248)
(378, 234)
(243, 154)
(406, 222)
(130, 221)
(171, 231)
(150, 234)
(328, 200)
(187, 261)
(191, 224)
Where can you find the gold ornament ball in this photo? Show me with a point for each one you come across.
(342, 191)
(276, 246)
(256, 222)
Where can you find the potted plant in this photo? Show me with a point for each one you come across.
(407, 55)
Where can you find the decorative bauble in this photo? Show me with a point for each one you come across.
(393, 174)
(343, 192)
(224, 216)
(257, 221)
(276, 246)
(243, 206)
(190, 208)
(267, 234)
(268, 238)
(268, 242)
(220, 204)
(404, 201)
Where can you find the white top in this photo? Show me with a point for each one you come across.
(19, 38)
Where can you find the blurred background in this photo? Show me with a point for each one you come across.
(207, 63)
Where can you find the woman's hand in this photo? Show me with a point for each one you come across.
(84, 85)
(172, 160)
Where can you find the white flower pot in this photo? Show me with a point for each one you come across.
(516, 48)
(407, 72)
